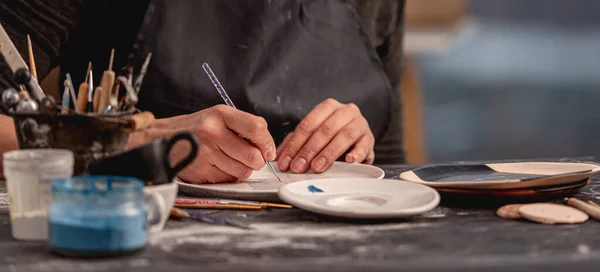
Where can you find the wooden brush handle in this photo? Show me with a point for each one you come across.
(96, 99)
(82, 96)
(108, 79)
(140, 121)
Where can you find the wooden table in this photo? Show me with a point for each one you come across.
(460, 239)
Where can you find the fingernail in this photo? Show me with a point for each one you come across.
(319, 163)
(350, 158)
(285, 163)
(271, 156)
(298, 165)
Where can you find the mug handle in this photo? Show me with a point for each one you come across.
(193, 140)
(158, 206)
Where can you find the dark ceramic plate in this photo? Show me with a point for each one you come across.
(500, 175)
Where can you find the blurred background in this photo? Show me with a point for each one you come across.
(498, 79)
(501, 79)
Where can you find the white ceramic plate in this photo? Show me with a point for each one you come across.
(361, 197)
(262, 185)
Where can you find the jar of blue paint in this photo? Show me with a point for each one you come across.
(97, 216)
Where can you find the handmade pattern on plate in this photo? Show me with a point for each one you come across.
(265, 180)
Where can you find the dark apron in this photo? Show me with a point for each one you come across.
(276, 59)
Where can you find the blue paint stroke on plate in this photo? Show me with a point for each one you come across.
(314, 189)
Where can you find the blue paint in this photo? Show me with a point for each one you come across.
(98, 214)
(314, 189)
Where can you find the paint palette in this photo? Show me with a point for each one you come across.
(501, 175)
(263, 185)
(361, 198)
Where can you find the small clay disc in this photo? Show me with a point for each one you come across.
(548, 213)
(510, 211)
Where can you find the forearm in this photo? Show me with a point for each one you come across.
(8, 138)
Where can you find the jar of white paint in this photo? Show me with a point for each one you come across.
(29, 173)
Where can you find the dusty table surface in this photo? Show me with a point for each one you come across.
(461, 239)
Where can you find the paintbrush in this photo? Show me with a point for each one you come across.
(181, 201)
(90, 86)
(219, 206)
(31, 58)
(82, 95)
(228, 102)
(194, 215)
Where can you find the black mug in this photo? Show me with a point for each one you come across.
(150, 162)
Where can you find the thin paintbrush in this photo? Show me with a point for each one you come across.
(31, 58)
(183, 201)
(208, 218)
(228, 101)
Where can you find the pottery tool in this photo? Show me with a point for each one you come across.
(131, 96)
(593, 203)
(130, 76)
(549, 213)
(591, 210)
(219, 206)
(15, 62)
(313, 189)
(82, 95)
(107, 82)
(140, 78)
(228, 101)
(211, 219)
(181, 201)
(90, 92)
(10, 97)
(31, 58)
(510, 211)
(66, 98)
(69, 82)
(98, 93)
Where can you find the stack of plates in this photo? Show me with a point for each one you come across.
(344, 190)
(505, 180)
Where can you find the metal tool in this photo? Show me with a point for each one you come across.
(228, 101)
(140, 78)
(15, 62)
(10, 97)
(27, 105)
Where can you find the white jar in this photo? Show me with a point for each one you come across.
(29, 173)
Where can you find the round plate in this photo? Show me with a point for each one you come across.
(512, 175)
(363, 198)
(262, 185)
